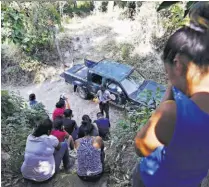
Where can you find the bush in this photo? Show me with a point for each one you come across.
(126, 50)
(31, 27)
(173, 18)
(79, 8)
(17, 68)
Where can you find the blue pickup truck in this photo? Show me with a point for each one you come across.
(124, 81)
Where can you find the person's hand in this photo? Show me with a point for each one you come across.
(67, 103)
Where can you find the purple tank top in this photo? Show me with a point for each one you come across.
(185, 162)
(89, 158)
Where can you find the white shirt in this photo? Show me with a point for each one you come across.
(39, 163)
(103, 96)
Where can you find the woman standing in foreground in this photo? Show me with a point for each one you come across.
(175, 141)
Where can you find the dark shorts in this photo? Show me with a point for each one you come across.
(93, 178)
(136, 178)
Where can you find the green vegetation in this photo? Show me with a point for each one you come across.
(78, 8)
(121, 157)
(31, 27)
(168, 4)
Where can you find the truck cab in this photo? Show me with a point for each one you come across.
(124, 81)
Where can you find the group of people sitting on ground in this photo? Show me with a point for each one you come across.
(51, 141)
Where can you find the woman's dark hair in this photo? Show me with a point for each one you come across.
(200, 11)
(86, 118)
(58, 123)
(68, 113)
(60, 104)
(192, 41)
(43, 127)
(87, 127)
(32, 97)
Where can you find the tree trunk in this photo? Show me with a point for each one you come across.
(56, 41)
(110, 6)
(75, 3)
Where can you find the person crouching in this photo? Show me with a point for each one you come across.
(60, 133)
(90, 156)
(43, 154)
(103, 125)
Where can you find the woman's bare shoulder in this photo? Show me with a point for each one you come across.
(97, 142)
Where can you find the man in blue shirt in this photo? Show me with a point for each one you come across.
(32, 100)
(103, 125)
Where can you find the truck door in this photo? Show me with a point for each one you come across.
(116, 89)
(94, 82)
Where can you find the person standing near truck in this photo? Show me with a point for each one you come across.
(104, 96)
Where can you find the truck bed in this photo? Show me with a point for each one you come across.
(78, 70)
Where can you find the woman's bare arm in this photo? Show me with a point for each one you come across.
(98, 143)
(77, 144)
(67, 104)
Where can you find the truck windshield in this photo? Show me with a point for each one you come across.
(132, 82)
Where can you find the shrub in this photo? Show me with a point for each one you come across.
(79, 8)
(126, 50)
(30, 27)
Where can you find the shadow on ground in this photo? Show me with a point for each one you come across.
(66, 180)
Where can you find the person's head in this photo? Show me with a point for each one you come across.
(100, 115)
(186, 58)
(103, 88)
(60, 104)
(68, 113)
(44, 127)
(87, 127)
(32, 97)
(58, 123)
(86, 118)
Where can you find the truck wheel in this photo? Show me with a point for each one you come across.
(82, 93)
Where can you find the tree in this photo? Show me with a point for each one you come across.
(168, 4)
(29, 25)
